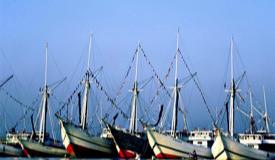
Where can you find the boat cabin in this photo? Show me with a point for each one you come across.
(204, 138)
(262, 141)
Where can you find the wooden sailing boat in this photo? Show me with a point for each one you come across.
(225, 147)
(261, 139)
(10, 147)
(40, 144)
(76, 139)
(131, 143)
(171, 146)
(10, 151)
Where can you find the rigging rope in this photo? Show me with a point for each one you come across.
(100, 87)
(165, 78)
(156, 75)
(17, 101)
(126, 75)
(20, 119)
(52, 124)
(25, 114)
(199, 88)
(66, 104)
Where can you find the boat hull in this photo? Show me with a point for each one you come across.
(226, 148)
(129, 145)
(36, 149)
(79, 143)
(10, 151)
(165, 146)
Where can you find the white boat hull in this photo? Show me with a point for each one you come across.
(79, 143)
(226, 148)
(165, 146)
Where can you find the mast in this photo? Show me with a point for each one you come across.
(232, 93)
(46, 65)
(84, 111)
(42, 127)
(252, 122)
(265, 114)
(133, 119)
(176, 94)
(79, 106)
(184, 121)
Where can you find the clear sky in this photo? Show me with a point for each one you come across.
(205, 28)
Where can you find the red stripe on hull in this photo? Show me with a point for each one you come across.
(26, 153)
(166, 156)
(70, 150)
(126, 154)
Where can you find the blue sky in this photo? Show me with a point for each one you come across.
(205, 27)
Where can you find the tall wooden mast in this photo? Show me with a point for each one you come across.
(232, 93)
(43, 119)
(252, 121)
(265, 114)
(135, 91)
(176, 94)
(84, 111)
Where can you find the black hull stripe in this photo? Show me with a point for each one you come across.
(219, 154)
(174, 149)
(142, 146)
(244, 156)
